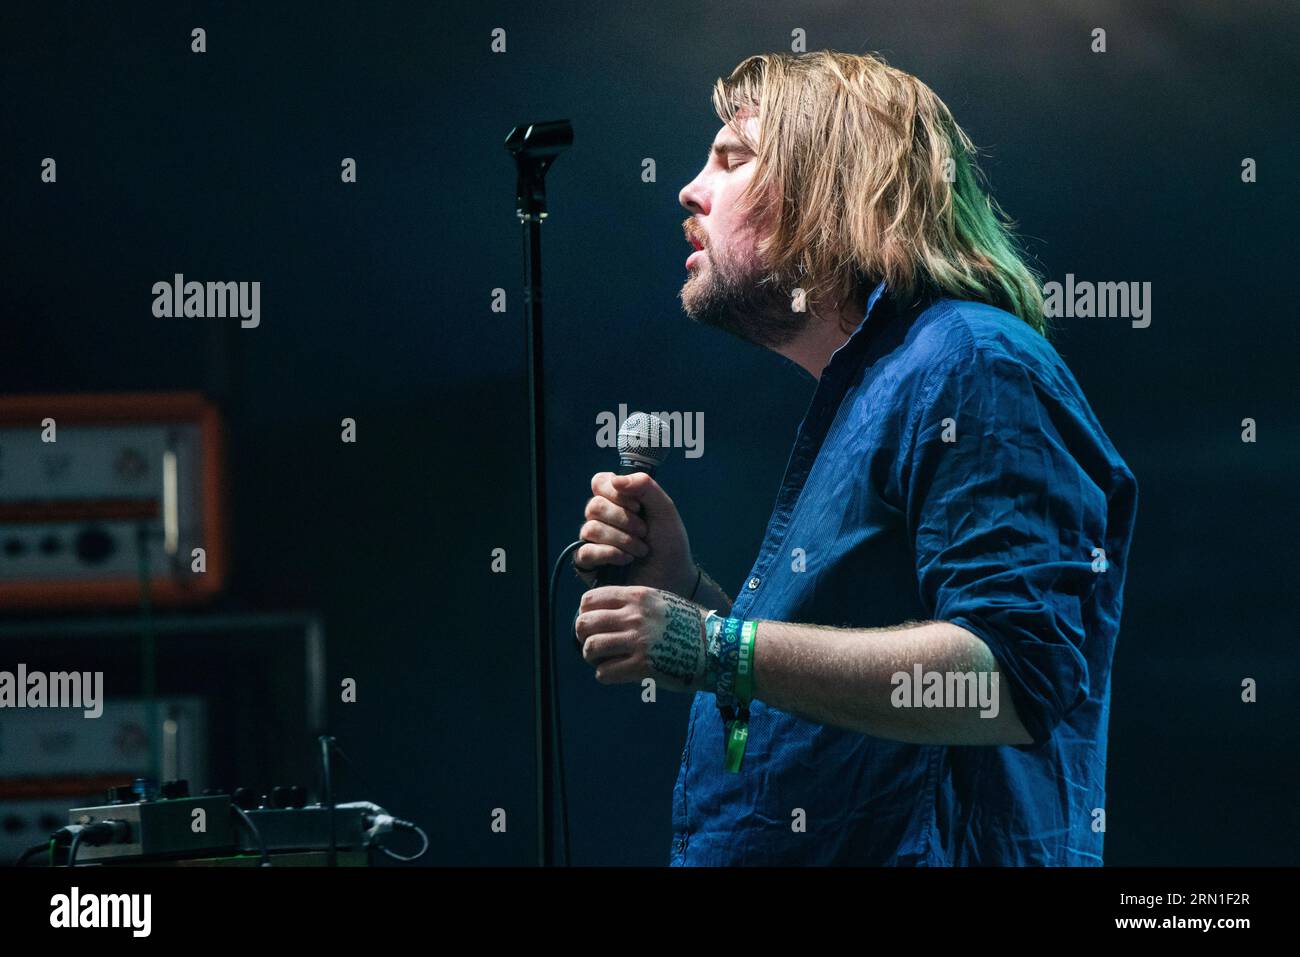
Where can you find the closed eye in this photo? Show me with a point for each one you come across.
(732, 157)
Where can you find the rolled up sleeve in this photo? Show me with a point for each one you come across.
(1004, 520)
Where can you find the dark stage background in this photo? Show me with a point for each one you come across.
(376, 304)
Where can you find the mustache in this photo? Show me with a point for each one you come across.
(693, 233)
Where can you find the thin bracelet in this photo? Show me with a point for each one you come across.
(699, 576)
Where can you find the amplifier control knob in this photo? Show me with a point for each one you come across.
(94, 545)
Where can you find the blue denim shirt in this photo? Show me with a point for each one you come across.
(949, 469)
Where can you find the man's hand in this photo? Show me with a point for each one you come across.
(632, 521)
(631, 633)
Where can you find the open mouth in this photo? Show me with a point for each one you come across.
(697, 245)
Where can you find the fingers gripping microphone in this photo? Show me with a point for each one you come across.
(642, 447)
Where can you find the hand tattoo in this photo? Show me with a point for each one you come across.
(679, 652)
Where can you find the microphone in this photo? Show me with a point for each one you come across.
(642, 447)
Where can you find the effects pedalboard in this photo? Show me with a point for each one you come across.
(175, 825)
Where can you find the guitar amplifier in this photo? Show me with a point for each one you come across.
(100, 492)
(52, 759)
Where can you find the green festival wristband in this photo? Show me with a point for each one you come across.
(737, 738)
(745, 663)
(737, 730)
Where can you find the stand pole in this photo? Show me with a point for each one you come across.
(535, 147)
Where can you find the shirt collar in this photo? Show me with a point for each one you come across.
(857, 330)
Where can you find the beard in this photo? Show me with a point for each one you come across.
(747, 303)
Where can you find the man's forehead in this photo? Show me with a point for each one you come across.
(727, 138)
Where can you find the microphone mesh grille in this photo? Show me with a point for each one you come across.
(644, 435)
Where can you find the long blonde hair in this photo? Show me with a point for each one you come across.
(866, 176)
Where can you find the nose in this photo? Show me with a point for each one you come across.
(694, 197)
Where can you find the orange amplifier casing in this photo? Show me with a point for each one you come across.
(131, 481)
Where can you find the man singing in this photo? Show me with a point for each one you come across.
(916, 670)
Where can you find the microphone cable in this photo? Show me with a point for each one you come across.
(562, 795)
(378, 821)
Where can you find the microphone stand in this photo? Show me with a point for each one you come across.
(535, 147)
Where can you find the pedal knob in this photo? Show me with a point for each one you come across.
(289, 796)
